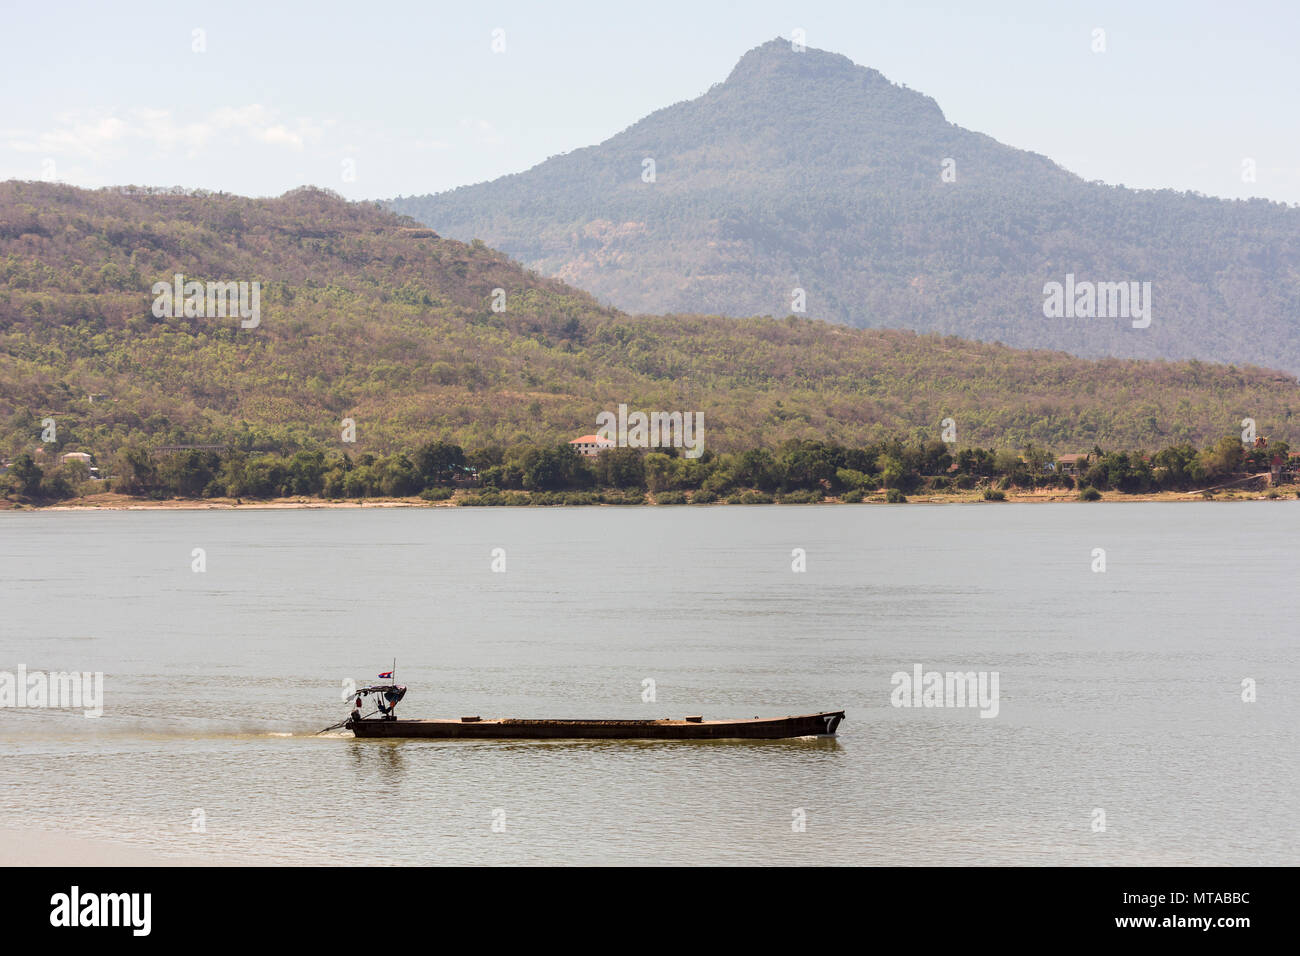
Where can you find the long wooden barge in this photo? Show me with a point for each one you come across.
(690, 728)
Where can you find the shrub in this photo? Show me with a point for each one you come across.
(853, 497)
(670, 498)
(623, 497)
(852, 479)
(495, 498)
(56, 488)
(895, 497)
(808, 497)
(1090, 494)
(703, 497)
(992, 494)
(437, 494)
(750, 497)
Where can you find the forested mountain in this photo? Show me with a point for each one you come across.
(804, 171)
(366, 316)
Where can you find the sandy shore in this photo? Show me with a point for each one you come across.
(114, 502)
(29, 847)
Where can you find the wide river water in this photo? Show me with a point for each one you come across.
(1121, 734)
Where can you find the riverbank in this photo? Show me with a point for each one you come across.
(109, 501)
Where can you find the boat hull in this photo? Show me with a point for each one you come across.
(767, 728)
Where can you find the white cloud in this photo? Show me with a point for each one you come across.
(102, 138)
(73, 137)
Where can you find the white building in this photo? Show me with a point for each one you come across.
(591, 445)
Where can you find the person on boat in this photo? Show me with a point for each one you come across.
(355, 716)
(388, 698)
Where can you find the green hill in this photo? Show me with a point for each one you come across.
(365, 317)
(805, 171)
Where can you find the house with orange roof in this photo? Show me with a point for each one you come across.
(591, 445)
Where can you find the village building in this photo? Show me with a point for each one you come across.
(591, 445)
(85, 458)
(1069, 464)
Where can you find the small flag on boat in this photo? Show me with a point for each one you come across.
(386, 674)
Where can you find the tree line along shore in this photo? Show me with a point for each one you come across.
(795, 472)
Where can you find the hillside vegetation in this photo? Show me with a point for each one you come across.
(364, 316)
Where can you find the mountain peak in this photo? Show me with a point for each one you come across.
(781, 56)
(778, 64)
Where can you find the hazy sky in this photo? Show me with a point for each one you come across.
(376, 99)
